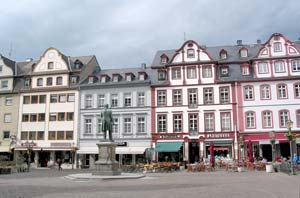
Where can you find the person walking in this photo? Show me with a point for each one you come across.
(59, 161)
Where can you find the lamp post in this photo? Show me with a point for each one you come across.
(74, 148)
(272, 141)
(242, 146)
(289, 135)
(29, 146)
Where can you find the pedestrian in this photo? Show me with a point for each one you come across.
(295, 158)
(59, 164)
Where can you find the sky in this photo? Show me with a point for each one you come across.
(126, 33)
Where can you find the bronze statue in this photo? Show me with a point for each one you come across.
(107, 122)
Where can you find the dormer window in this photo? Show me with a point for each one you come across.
(50, 65)
(91, 80)
(39, 82)
(116, 77)
(244, 53)
(74, 79)
(142, 76)
(191, 53)
(245, 70)
(163, 59)
(77, 64)
(225, 71)
(223, 55)
(277, 47)
(103, 79)
(128, 77)
(162, 75)
(27, 82)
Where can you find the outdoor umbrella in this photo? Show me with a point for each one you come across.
(212, 156)
(251, 159)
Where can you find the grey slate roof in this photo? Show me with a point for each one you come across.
(9, 63)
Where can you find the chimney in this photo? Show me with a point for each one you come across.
(239, 42)
(28, 60)
(258, 41)
(143, 66)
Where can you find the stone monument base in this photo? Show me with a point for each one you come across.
(107, 164)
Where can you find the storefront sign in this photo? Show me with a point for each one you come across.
(122, 143)
(28, 144)
(218, 135)
(60, 144)
(171, 136)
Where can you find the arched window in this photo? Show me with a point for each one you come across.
(39, 82)
(49, 81)
(223, 54)
(265, 91)
(297, 89)
(59, 80)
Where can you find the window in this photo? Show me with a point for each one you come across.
(7, 117)
(70, 116)
(162, 123)
(101, 100)
(88, 101)
(282, 91)
(128, 77)
(59, 80)
(208, 95)
(33, 117)
(116, 125)
(61, 116)
(279, 66)
(114, 100)
(51, 135)
(50, 65)
(263, 68)
(91, 79)
(141, 125)
(224, 71)
(223, 55)
(74, 79)
(284, 117)
(39, 82)
(116, 78)
(40, 135)
(163, 60)
(209, 122)
(193, 123)
(88, 125)
(69, 135)
(141, 99)
(176, 74)
(103, 79)
(99, 125)
(127, 99)
(161, 75)
(191, 73)
(8, 100)
(298, 117)
(6, 135)
(243, 53)
(161, 98)
(191, 53)
(207, 72)
(177, 120)
(32, 135)
(25, 117)
(34, 99)
(27, 83)
(267, 119)
(177, 97)
(24, 135)
(62, 98)
(250, 120)
(42, 99)
(26, 99)
(297, 89)
(265, 92)
(245, 70)
(225, 121)
(127, 125)
(49, 81)
(41, 117)
(52, 117)
(1, 68)
(71, 97)
(53, 98)
(78, 64)
(4, 84)
(277, 47)
(295, 65)
(224, 95)
(248, 93)
(142, 76)
(60, 135)
(192, 97)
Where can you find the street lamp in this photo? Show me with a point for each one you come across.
(289, 135)
(272, 141)
(74, 148)
(242, 140)
(29, 146)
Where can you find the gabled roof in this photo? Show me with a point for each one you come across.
(9, 63)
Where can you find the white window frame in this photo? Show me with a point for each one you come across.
(101, 100)
(177, 97)
(225, 121)
(267, 119)
(8, 100)
(224, 95)
(209, 123)
(207, 72)
(190, 53)
(295, 66)
(176, 73)
(250, 120)
(193, 123)
(248, 92)
(191, 73)
(7, 118)
(88, 123)
(162, 123)
(89, 101)
(263, 68)
(141, 124)
(127, 121)
(114, 100)
(116, 125)
(177, 123)
(141, 100)
(279, 67)
(4, 84)
(297, 89)
(127, 100)
(282, 91)
(265, 92)
(284, 117)
(161, 97)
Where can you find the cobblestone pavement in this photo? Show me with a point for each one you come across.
(220, 184)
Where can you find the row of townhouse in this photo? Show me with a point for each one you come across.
(188, 98)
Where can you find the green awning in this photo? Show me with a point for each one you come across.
(168, 146)
(219, 142)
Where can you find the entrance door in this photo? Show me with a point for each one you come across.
(285, 149)
(194, 152)
(267, 151)
(44, 157)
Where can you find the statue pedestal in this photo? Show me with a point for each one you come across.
(107, 164)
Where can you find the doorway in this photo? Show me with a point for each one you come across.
(194, 152)
(44, 157)
(267, 151)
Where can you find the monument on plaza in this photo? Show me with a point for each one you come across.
(107, 164)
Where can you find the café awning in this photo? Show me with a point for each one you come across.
(168, 146)
(131, 150)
